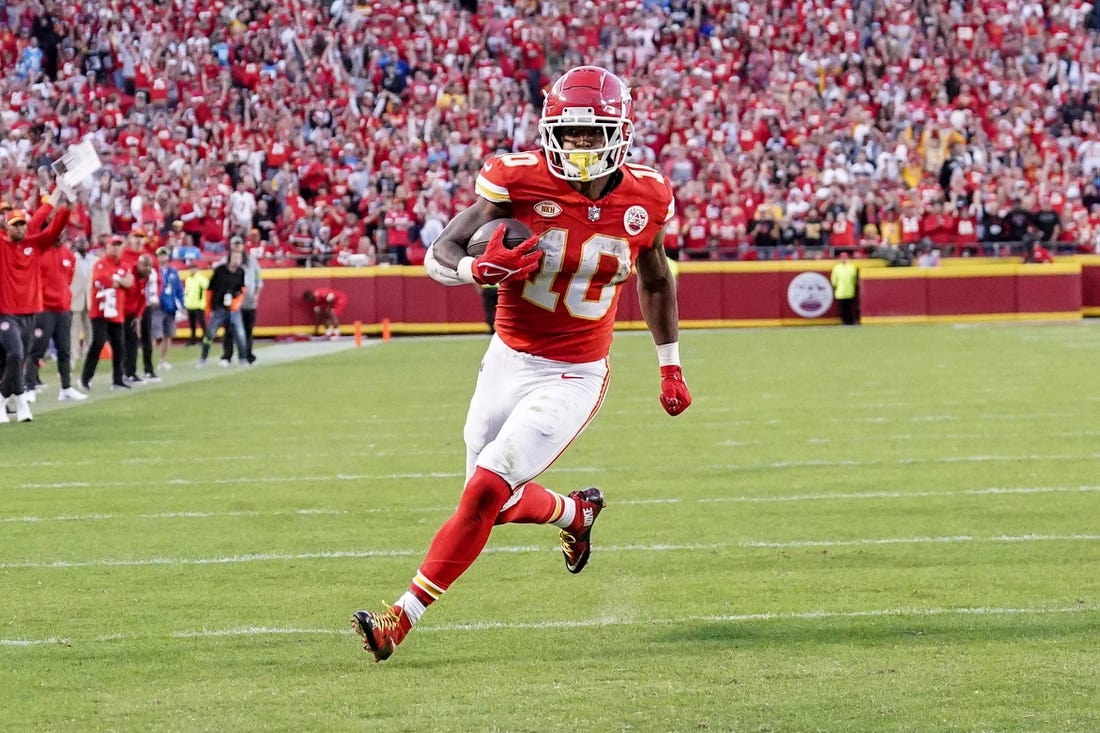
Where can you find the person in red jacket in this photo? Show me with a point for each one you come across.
(54, 321)
(21, 299)
(110, 278)
(327, 306)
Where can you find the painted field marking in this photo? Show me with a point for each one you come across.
(604, 621)
(746, 499)
(523, 549)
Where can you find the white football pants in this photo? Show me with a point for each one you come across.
(526, 410)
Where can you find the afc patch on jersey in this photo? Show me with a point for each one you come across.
(635, 220)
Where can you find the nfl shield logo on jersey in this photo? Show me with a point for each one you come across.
(594, 213)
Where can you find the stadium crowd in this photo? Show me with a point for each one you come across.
(347, 132)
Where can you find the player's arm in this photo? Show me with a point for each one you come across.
(448, 249)
(657, 298)
(49, 236)
(657, 293)
(41, 215)
(124, 281)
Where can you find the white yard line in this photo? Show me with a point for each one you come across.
(605, 621)
(745, 499)
(524, 549)
(603, 470)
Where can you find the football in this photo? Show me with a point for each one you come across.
(514, 237)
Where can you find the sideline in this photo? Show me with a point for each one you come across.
(185, 371)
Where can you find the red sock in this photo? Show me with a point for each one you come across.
(537, 505)
(462, 537)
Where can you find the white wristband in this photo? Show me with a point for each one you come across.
(465, 269)
(668, 354)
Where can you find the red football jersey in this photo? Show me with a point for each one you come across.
(566, 310)
(107, 298)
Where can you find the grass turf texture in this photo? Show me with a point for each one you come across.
(873, 529)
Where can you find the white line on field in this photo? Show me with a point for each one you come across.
(415, 475)
(992, 491)
(605, 621)
(523, 549)
(745, 499)
(173, 515)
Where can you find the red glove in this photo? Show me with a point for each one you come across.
(498, 263)
(675, 397)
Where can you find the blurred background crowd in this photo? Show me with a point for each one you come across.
(347, 132)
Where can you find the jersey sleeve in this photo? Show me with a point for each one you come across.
(494, 180)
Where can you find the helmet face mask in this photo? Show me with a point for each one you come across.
(587, 102)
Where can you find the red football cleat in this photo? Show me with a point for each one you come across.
(575, 542)
(381, 632)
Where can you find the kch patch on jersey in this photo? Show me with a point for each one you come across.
(635, 220)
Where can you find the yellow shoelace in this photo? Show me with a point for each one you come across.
(389, 619)
(567, 541)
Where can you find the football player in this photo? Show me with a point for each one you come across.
(544, 376)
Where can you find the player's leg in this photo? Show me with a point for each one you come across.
(40, 343)
(62, 330)
(132, 344)
(96, 339)
(117, 338)
(149, 315)
(11, 341)
(229, 344)
(452, 551)
(462, 537)
(210, 332)
(522, 416)
(248, 316)
(546, 420)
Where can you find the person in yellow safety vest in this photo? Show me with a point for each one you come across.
(195, 285)
(845, 280)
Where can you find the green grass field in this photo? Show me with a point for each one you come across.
(872, 529)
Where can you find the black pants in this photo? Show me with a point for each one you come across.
(248, 317)
(196, 318)
(132, 341)
(15, 344)
(104, 331)
(848, 311)
(147, 338)
(55, 326)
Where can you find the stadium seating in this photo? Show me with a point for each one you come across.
(339, 130)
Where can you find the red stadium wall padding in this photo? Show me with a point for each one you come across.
(813, 296)
(1052, 293)
(983, 292)
(889, 295)
(971, 294)
(1090, 284)
(710, 294)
